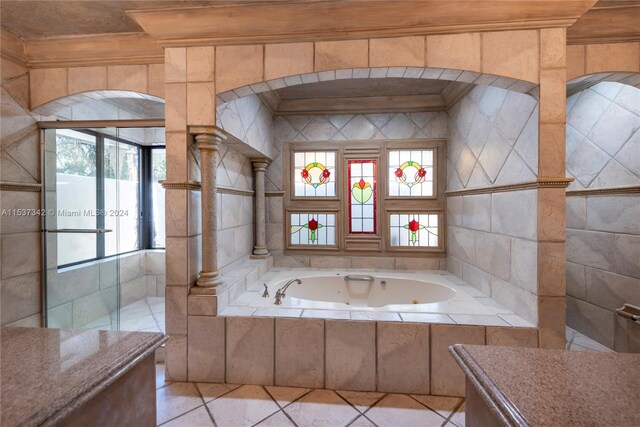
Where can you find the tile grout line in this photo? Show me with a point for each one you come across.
(205, 404)
(282, 407)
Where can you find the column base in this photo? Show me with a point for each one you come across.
(207, 280)
(260, 252)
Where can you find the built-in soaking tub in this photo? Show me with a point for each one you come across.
(397, 292)
(376, 330)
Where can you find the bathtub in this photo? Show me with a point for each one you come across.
(367, 291)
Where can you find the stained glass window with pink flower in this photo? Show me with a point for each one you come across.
(313, 229)
(411, 173)
(413, 230)
(314, 174)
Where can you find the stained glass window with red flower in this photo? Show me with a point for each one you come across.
(314, 174)
(414, 230)
(313, 229)
(411, 173)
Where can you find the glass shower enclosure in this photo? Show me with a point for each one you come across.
(94, 202)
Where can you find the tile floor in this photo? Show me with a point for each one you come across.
(227, 405)
(146, 314)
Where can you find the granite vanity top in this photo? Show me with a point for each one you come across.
(47, 373)
(535, 387)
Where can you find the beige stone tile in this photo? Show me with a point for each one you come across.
(552, 95)
(250, 350)
(238, 66)
(198, 417)
(612, 56)
(551, 269)
(279, 419)
(329, 261)
(576, 61)
(398, 51)
(200, 63)
(175, 400)
(512, 337)
(206, 348)
(176, 256)
(127, 77)
(202, 305)
(321, 408)
(398, 410)
(176, 212)
(440, 404)
(285, 395)
(361, 400)
(553, 48)
(512, 54)
(211, 391)
(201, 109)
(552, 320)
(386, 263)
(280, 260)
(551, 150)
(446, 376)
(177, 151)
(299, 352)
(335, 55)
(551, 214)
(403, 358)
(175, 109)
(47, 84)
(362, 421)
(155, 80)
(85, 79)
(176, 309)
(20, 254)
(417, 263)
(457, 51)
(244, 406)
(287, 59)
(175, 60)
(350, 355)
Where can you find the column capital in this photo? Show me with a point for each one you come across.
(208, 141)
(261, 164)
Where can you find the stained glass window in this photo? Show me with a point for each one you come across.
(414, 230)
(313, 229)
(362, 199)
(411, 173)
(314, 173)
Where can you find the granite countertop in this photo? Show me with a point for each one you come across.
(47, 373)
(535, 387)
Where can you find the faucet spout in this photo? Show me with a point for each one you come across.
(281, 293)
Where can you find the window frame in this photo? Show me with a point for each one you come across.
(144, 213)
(369, 244)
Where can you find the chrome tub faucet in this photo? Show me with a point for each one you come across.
(280, 293)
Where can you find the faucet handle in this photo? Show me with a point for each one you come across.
(265, 294)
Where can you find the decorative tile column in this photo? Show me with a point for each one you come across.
(208, 141)
(260, 250)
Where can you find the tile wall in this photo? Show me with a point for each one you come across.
(492, 238)
(603, 231)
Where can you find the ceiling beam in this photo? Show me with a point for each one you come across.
(340, 19)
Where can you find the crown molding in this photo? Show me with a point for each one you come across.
(244, 23)
(101, 49)
(616, 23)
(361, 104)
(12, 48)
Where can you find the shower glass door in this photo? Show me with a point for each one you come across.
(86, 171)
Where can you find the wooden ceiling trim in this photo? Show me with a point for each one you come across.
(12, 48)
(329, 20)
